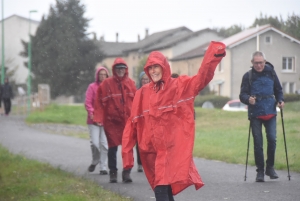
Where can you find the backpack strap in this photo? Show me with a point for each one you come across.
(250, 76)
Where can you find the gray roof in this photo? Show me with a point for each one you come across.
(160, 37)
(197, 52)
(248, 34)
(113, 49)
(18, 16)
(170, 41)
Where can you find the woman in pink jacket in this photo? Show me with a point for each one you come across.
(97, 135)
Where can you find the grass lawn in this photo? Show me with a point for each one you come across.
(59, 114)
(220, 135)
(29, 180)
(223, 135)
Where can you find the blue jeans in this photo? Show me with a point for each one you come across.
(270, 127)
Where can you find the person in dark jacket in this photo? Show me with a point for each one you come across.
(261, 91)
(6, 95)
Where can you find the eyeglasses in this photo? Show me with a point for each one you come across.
(102, 74)
(259, 63)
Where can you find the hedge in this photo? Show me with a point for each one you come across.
(217, 101)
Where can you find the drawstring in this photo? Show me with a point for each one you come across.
(158, 85)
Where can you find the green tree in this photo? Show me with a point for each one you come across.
(292, 26)
(273, 21)
(62, 54)
(226, 32)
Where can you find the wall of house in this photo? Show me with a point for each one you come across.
(16, 29)
(222, 76)
(278, 48)
(274, 51)
(188, 67)
(194, 42)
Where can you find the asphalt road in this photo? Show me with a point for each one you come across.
(223, 181)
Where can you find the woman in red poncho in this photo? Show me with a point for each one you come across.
(162, 121)
(112, 109)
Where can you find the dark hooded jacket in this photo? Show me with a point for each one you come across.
(113, 104)
(162, 122)
(265, 86)
(6, 91)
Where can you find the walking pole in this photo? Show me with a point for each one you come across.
(286, 155)
(245, 178)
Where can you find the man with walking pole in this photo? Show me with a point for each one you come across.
(262, 91)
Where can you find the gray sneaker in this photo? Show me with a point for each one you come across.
(260, 176)
(271, 173)
(126, 176)
(113, 174)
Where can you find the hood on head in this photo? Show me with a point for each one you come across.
(119, 61)
(158, 58)
(97, 72)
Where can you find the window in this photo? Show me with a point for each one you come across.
(284, 85)
(134, 72)
(220, 86)
(220, 69)
(268, 39)
(288, 64)
(291, 88)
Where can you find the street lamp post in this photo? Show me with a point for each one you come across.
(3, 59)
(29, 65)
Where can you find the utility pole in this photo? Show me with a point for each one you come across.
(29, 65)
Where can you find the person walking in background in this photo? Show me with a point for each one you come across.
(98, 139)
(113, 105)
(143, 79)
(261, 91)
(7, 95)
(162, 122)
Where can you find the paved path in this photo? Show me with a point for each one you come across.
(222, 181)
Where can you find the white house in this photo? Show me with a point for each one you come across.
(16, 28)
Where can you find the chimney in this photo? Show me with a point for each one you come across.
(95, 36)
(102, 38)
(146, 33)
(139, 38)
(117, 37)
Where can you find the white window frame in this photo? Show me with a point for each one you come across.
(285, 67)
(270, 42)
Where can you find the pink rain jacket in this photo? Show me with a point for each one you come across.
(90, 95)
(113, 104)
(162, 121)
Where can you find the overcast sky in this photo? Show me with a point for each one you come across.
(131, 17)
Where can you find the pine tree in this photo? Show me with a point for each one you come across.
(62, 54)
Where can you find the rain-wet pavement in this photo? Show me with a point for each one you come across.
(223, 181)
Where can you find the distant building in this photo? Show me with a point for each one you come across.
(171, 43)
(282, 50)
(16, 28)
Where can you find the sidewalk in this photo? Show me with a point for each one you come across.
(222, 181)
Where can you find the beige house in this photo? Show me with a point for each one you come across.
(282, 50)
(16, 28)
(171, 43)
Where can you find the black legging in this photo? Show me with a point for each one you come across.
(7, 105)
(112, 158)
(139, 162)
(163, 193)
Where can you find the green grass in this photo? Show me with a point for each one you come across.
(220, 135)
(23, 180)
(59, 114)
(223, 135)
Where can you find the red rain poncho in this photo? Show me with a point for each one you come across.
(113, 104)
(162, 121)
